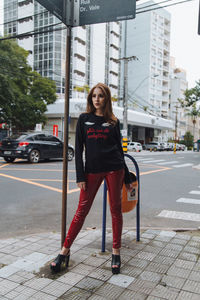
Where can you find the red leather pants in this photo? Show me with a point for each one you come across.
(114, 182)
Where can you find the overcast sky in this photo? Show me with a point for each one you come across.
(185, 42)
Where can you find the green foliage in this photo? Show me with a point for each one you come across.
(82, 89)
(191, 96)
(188, 139)
(194, 113)
(24, 94)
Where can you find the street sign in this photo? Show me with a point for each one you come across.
(56, 7)
(85, 12)
(100, 11)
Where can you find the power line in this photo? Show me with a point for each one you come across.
(163, 6)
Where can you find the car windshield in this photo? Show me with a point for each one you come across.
(18, 136)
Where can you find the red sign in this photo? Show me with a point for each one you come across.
(3, 126)
(55, 130)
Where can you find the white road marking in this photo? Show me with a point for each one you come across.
(188, 200)
(179, 215)
(168, 162)
(143, 159)
(154, 161)
(195, 192)
(181, 166)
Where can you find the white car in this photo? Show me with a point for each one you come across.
(134, 146)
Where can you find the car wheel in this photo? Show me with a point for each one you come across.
(9, 159)
(34, 156)
(154, 149)
(134, 150)
(70, 154)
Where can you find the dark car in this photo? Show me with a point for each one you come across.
(33, 147)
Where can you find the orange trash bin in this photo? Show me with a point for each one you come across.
(130, 199)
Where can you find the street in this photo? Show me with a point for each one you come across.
(31, 194)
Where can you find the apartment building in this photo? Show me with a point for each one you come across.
(94, 48)
(148, 38)
(178, 85)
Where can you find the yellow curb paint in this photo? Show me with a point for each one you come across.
(4, 165)
(38, 184)
(154, 171)
(42, 170)
(51, 180)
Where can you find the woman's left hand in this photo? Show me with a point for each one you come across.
(129, 187)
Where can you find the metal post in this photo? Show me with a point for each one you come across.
(176, 122)
(138, 203)
(104, 217)
(125, 100)
(66, 130)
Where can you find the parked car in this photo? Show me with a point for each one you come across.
(33, 147)
(134, 146)
(155, 146)
(171, 146)
(164, 146)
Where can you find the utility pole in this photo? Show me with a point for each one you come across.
(125, 94)
(176, 122)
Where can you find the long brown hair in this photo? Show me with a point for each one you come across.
(107, 111)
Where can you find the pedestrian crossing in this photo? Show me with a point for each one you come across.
(163, 162)
(180, 215)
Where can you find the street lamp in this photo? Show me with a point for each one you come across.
(155, 75)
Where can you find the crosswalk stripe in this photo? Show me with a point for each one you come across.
(183, 165)
(195, 192)
(179, 215)
(154, 161)
(143, 159)
(188, 200)
(168, 162)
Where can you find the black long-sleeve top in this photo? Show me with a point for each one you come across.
(103, 149)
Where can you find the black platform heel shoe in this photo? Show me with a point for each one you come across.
(59, 261)
(116, 261)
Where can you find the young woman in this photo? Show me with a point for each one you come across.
(98, 132)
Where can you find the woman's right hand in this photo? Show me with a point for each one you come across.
(82, 185)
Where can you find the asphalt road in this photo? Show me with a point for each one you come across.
(31, 194)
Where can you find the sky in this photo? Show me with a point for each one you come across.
(185, 41)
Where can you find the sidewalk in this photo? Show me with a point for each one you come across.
(163, 265)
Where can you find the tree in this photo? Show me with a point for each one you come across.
(24, 94)
(188, 140)
(194, 113)
(191, 96)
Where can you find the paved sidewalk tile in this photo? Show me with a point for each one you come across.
(165, 292)
(109, 291)
(121, 280)
(163, 265)
(187, 296)
(71, 278)
(76, 294)
(7, 286)
(56, 288)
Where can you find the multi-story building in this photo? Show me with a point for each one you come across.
(148, 38)
(93, 53)
(178, 85)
